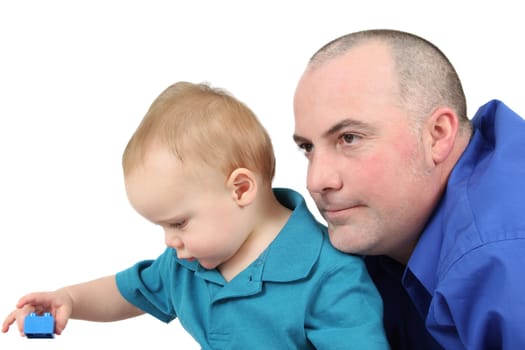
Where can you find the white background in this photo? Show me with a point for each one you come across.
(77, 77)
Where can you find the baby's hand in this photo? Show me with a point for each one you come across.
(58, 303)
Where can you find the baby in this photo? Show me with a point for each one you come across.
(246, 265)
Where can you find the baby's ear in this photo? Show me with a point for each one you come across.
(243, 184)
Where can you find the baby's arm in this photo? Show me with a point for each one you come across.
(98, 300)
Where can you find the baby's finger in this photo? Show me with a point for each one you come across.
(21, 316)
(8, 321)
(36, 299)
(61, 318)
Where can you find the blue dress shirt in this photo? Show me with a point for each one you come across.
(464, 277)
(301, 293)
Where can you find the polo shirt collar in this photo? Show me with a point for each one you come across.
(295, 250)
(290, 256)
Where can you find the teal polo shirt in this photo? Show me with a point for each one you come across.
(300, 293)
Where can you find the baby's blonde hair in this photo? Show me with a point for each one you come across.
(201, 123)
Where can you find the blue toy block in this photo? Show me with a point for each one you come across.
(36, 326)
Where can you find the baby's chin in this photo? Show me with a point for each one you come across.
(208, 265)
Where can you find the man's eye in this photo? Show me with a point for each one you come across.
(349, 138)
(306, 147)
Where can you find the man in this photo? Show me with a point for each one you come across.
(434, 200)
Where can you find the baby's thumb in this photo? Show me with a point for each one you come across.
(61, 318)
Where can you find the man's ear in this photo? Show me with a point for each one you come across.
(243, 185)
(442, 128)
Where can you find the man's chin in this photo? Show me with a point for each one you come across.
(345, 240)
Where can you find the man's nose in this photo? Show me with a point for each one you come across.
(323, 173)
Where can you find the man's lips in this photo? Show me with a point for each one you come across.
(335, 214)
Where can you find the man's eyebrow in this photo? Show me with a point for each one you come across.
(345, 123)
(299, 139)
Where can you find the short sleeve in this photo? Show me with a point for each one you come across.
(145, 285)
(347, 312)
